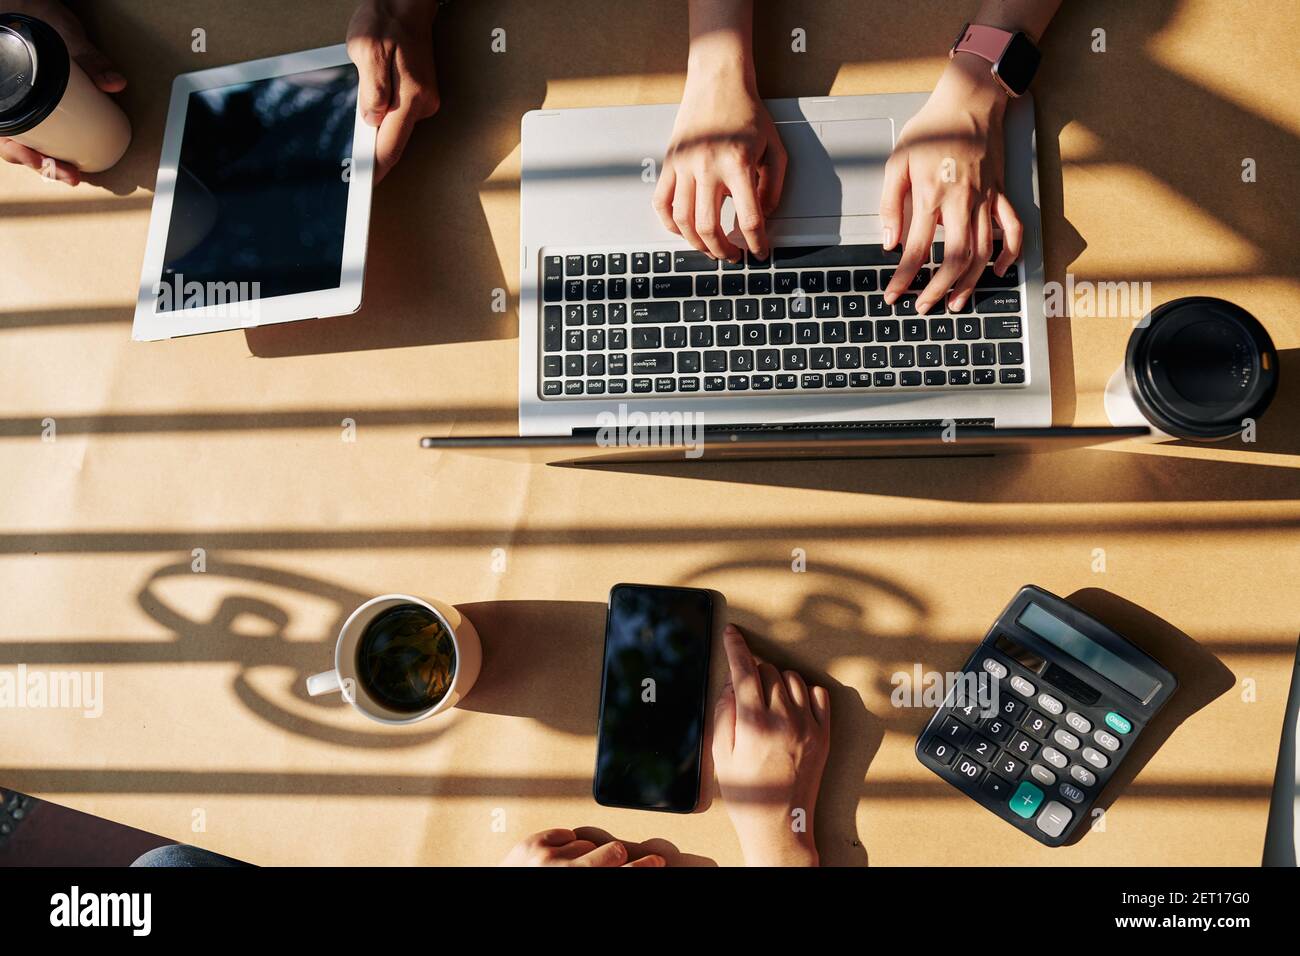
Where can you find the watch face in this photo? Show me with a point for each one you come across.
(1019, 63)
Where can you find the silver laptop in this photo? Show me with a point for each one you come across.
(614, 311)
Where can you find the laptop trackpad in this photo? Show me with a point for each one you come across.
(836, 167)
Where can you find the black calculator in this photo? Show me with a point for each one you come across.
(1046, 709)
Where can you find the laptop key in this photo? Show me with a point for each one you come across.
(753, 334)
(742, 360)
(728, 335)
(1011, 376)
(733, 285)
(552, 388)
(1011, 353)
(738, 383)
(596, 314)
(759, 283)
(618, 364)
(693, 261)
(647, 338)
(715, 383)
(910, 379)
(595, 340)
(936, 377)
(801, 307)
(688, 385)
(688, 362)
(642, 385)
(769, 360)
(941, 330)
(595, 386)
(573, 315)
(959, 376)
(811, 380)
(887, 330)
(883, 379)
(902, 356)
(573, 289)
(706, 285)
(701, 337)
(860, 331)
(670, 287)
(987, 300)
(983, 353)
(618, 339)
(864, 280)
(761, 383)
(834, 332)
(860, 379)
(773, 308)
(914, 330)
(781, 334)
(837, 379)
(552, 366)
(574, 265)
(968, 328)
(675, 337)
(617, 386)
(853, 306)
(877, 306)
(715, 361)
(794, 360)
(640, 287)
(807, 333)
(839, 281)
(573, 386)
(652, 363)
(573, 340)
(827, 307)
(618, 288)
(821, 358)
(875, 356)
(786, 283)
(787, 381)
(720, 310)
(848, 357)
(595, 265)
(663, 262)
(640, 262)
(812, 281)
(617, 263)
(694, 311)
(983, 376)
(573, 365)
(928, 356)
(956, 355)
(1002, 328)
(747, 309)
(618, 313)
(666, 384)
(552, 333)
(826, 257)
(553, 290)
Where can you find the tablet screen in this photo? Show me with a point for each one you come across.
(260, 202)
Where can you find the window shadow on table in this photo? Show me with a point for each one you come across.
(1202, 678)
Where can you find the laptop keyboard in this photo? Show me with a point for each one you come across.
(808, 320)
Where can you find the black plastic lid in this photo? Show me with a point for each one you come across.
(1197, 366)
(33, 72)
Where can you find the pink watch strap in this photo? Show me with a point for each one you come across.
(988, 42)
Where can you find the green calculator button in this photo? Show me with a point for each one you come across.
(1120, 725)
(1026, 799)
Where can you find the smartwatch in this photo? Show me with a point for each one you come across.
(1013, 55)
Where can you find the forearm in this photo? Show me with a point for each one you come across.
(1030, 17)
(722, 40)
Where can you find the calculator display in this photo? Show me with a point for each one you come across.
(1087, 651)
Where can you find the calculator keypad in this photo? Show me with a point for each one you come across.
(1037, 756)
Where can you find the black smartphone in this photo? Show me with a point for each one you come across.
(656, 674)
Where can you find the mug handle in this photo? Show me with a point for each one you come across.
(326, 682)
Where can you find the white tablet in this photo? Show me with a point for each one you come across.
(263, 200)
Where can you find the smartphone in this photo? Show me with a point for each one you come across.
(652, 697)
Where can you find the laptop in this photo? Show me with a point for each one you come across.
(618, 317)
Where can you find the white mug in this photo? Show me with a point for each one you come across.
(464, 639)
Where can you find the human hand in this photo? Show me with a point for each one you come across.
(771, 736)
(391, 43)
(87, 56)
(949, 159)
(583, 847)
(724, 143)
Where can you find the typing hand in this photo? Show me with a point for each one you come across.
(771, 736)
(96, 65)
(391, 43)
(949, 160)
(724, 143)
(570, 848)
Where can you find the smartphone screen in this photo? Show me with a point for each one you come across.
(652, 697)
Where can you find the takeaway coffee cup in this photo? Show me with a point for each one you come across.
(1196, 368)
(48, 103)
(400, 659)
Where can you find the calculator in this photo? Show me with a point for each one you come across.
(1045, 710)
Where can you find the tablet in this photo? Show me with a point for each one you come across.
(262, 207)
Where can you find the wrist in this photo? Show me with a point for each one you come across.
(969, 78)
(792, 851)
(721, 61)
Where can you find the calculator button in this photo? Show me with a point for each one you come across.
(1022, 686)
(1012, 708)
(1055, 757)
(993, 667)
(1072, 793)
(981, 748)
(941, 750)
(1066, 739)
(1109, 741)
(1078, 722)
(996, 787)
(1025, 800)
(968, 712)
(1008, 766)
(1117, 723)
(968, 768)
(1023, 746)
(1042, 775)
(1054, 818)
(1050, 704)
(1038, 725)
(954, 731)
(1096, 758)
(1083, 775)
(997, 728)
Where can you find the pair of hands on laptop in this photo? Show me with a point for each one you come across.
(946, 169)
(771, 737)
(87, 56)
